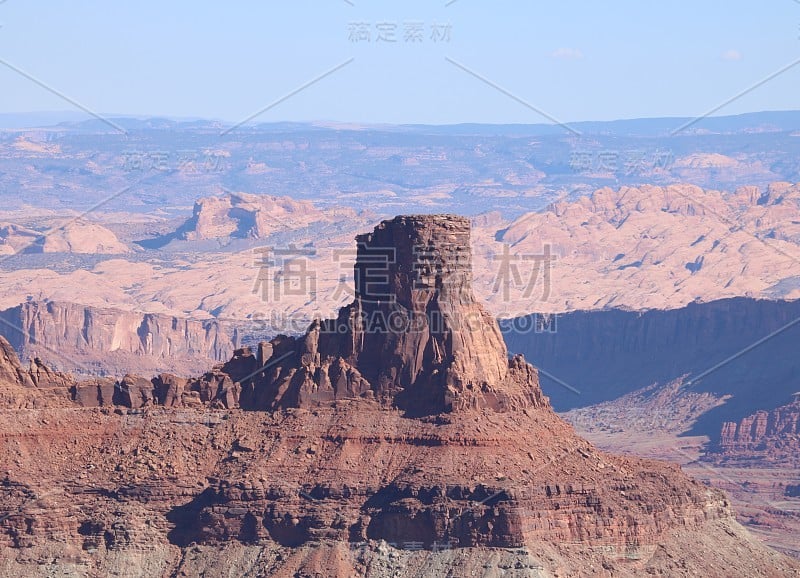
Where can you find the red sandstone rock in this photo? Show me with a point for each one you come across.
(39, 386)
(424, 439)
(168, 389)
(115, 340)
(766, 436)
(11, 373)
(414, 338)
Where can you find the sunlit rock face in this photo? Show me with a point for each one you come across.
(413, 338)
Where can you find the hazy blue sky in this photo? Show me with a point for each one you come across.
(574, 60)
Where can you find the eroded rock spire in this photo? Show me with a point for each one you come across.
(414, 337)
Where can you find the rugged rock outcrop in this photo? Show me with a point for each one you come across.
(387, 449)
(753, 430)
(11, 373)
(87, 339)
(72, 236)
(414, 338)
(249, 216)
(348, 490)
(39, 386)
(766, 436)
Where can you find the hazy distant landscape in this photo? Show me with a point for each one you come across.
(475, 168)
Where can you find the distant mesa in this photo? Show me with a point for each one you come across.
(706, 161)
(74, 236)
(248, 216)
(243, 216)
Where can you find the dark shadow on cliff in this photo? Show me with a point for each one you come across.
(607, 354)
(187, 517)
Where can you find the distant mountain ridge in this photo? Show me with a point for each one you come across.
(649, 126)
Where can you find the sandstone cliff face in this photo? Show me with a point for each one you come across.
(414, 337)
(754, 429)
(766, 436)
(607, 355)
(348, 490)
(94, 340)
(249, 216)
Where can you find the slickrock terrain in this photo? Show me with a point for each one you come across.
(652, 247)
(396, 440)
(112, 341)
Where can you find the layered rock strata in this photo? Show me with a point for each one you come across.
(110, 341)
(379, 450)
(765, 437)
(414, 338)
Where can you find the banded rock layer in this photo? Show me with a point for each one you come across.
(105, 340)
(769, 437)
(414, 447)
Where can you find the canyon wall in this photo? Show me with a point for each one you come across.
(96, 341)
(605, 355)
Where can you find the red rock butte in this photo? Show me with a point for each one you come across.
(414, 337)
(402, 421)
